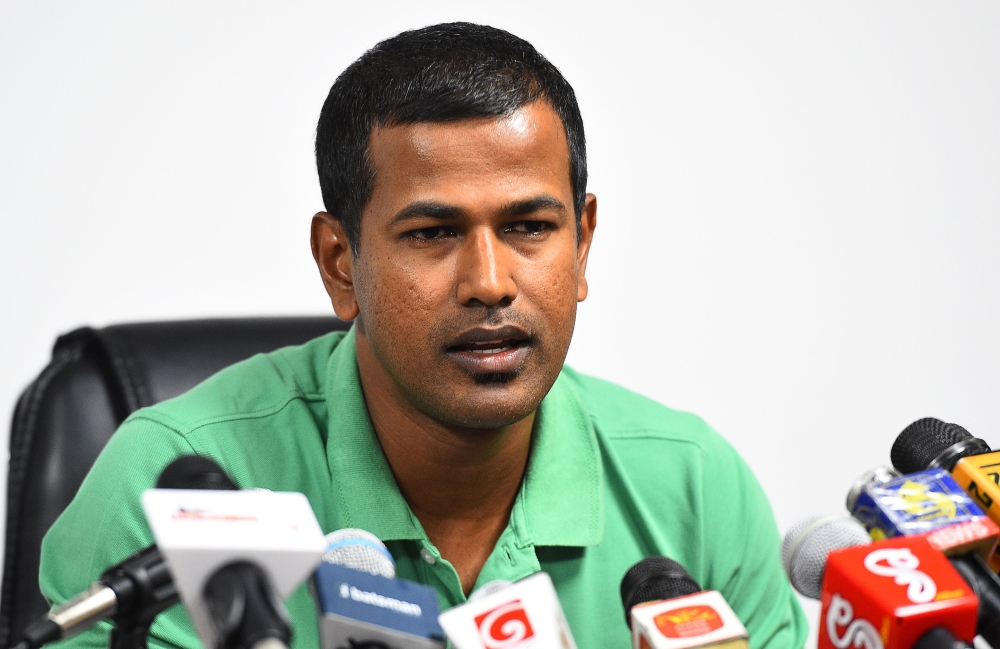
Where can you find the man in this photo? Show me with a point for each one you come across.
(453, 168)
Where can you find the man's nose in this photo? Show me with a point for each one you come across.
(485, 273)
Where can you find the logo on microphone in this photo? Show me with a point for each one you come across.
(921, 501)
(375, 599)
(505, 627)
(960, 534)
(901, 564)
(198, 514)
(860, 632)
(688, 621)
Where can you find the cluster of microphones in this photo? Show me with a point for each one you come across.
(232, 556)
(912, 565)
(913, 562)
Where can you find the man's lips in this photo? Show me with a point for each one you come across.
(490, 351)
(490, 346)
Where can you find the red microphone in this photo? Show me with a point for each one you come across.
(887, 595)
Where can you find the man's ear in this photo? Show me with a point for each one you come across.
(335, 261)
(588, 223)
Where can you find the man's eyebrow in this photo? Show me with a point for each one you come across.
(531, 205)
(428, 208)
(442, 211)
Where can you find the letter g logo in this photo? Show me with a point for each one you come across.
(901, 564)
(505, 626)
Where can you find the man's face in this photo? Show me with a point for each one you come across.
(469, 266)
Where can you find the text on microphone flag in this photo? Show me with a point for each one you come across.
(688, 621)
(887, 594)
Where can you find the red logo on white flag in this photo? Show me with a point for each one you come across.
(504, 627)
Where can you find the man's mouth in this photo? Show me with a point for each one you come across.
(491, 351)
(490, 346)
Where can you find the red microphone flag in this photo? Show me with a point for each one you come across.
(888, 594)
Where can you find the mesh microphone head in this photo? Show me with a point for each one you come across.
(652, 579)
(808, 542)
(489, 588)
(359, 550)
(924, 440)
(195, 472)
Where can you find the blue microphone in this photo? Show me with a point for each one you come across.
(363, 605)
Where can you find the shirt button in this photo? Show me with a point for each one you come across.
(427, 556)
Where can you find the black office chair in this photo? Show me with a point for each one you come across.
(96, 378)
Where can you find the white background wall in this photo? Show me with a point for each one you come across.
(798, 225)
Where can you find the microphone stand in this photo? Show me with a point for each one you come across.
(132, 631)
(133, 637)
(144, 589)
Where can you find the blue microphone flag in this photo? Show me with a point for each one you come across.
(395, 604)
(914, 504)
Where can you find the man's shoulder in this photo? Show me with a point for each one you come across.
(251, 389)
(621, 414)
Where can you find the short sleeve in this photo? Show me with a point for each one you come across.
(746, 561)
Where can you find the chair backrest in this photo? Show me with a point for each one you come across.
(96, 378)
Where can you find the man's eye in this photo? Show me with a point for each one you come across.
(528, 227)
(427, 234)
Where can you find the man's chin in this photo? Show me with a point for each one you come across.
(486, 421)
(492, 403)
(461, 397)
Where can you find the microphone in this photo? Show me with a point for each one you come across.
(233, 556)
(244, 610)
(929, 443)
(940, 638)
(363, 605)
(986, 585)
(524, 614)
(667, 609)
(134, 591)
(891, 594)
(360, 550)
(807, 544)
(930, 504)
(804, 552)
(927, 502)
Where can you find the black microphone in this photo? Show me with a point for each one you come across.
(663, 602)
(930, 443)
(134, 591)
(242, 603)
(244, 608)
(940, 638)
(655, 578)
(986, 584)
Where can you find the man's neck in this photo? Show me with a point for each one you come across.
(460, 483)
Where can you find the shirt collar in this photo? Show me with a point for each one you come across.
(560, 502)
(561, 494)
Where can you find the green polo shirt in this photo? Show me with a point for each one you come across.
(612, 477)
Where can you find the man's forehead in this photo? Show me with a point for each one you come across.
(532, 136)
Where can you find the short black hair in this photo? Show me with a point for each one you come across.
(441, 73)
